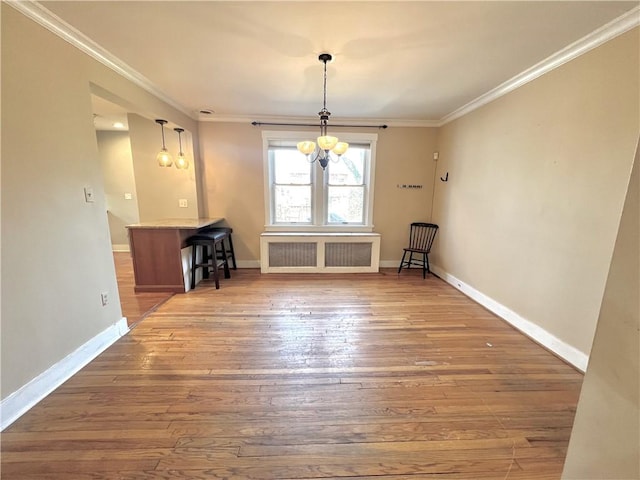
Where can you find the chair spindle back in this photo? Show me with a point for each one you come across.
(422, 236)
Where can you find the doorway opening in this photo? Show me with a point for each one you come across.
(116, 161)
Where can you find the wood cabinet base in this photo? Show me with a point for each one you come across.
(157, 253)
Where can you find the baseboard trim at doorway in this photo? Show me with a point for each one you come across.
(27, 396)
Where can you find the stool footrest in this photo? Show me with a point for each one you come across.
(213, 255)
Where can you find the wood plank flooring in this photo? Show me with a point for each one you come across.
(361, 376)
(134, 305)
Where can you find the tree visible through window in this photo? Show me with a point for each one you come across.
(346, 188)
(301, 195)
(292, 187)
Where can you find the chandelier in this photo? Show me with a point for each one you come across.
(327, 144)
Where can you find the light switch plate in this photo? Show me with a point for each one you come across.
(88, 194)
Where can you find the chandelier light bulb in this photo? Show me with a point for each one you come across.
(340, 148)
(327, 142)
(181, 162)
(306, 147)
(164, 158)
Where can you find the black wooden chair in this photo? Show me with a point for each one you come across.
(421, 236)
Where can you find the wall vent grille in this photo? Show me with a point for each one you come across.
(293, 254)
(347, 254)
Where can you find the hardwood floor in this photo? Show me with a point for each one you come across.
(134, 305)
(362, 376)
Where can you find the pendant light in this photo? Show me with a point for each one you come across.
(326, 143)
(181, 161)
(163, 157)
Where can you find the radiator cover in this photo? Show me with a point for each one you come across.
(283, 252)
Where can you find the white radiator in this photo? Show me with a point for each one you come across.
(319, 252)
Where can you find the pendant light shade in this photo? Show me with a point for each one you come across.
(327, 144)
(340, 148)
(164, 157)
(181, 161)
(307, 147)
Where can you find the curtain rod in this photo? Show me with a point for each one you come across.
(257, 124)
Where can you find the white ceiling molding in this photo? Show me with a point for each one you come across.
(38, 13)
(41, 15)
(596, 38)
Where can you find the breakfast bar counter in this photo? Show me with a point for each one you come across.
(160, 254)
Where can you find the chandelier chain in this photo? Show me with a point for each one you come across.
(324, 103)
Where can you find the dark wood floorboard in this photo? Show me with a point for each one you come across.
(364, 376)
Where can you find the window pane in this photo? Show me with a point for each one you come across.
(292, 204)
(290, 167)
(349, 170)
(345, 204)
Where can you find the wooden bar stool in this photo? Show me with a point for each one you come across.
(229, 252)
(208, 242)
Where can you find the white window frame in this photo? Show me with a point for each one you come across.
(319, 184)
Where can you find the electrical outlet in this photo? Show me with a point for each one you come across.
(128, 196)
(104, 298)
(182, 203)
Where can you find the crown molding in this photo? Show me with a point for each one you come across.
(44, 17)
(41, 15)
(607, 32)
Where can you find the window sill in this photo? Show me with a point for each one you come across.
(292, 228)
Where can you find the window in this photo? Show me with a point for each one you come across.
(292, 186)
(300, 196)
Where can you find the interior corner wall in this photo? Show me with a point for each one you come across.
(114, 149)
(536, 186)
(56, 252)
(234, 177)
(605, 440)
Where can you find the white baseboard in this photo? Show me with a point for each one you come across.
(27, 396)
(565, 351)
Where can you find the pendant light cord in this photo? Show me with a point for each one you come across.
(162, 130)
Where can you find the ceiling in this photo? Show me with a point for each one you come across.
(108, 115)
(413, 61)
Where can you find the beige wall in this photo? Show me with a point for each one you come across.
(605, 440)
(536, 186)
(56, 252)
(234, 179)
(529, 216)
(160, 189)
(114, 149)
(405, 156)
